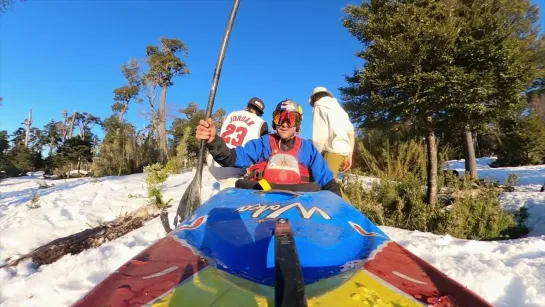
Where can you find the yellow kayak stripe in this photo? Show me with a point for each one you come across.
(211, 287)
(362, 290)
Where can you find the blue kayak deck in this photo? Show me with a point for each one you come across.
(234, 230)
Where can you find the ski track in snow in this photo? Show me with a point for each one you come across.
(506, 273)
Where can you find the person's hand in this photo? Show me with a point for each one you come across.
(206, 130)
(347, 164)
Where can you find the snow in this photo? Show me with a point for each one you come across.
(506, 273)
(72, 205)
(365, 181)
(532, 176)
(527, 194)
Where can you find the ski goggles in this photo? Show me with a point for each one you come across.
(293, 119)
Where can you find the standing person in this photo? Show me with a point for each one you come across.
(332, 130)
(237, 129)
(279, 159)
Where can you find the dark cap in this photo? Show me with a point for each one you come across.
(257, 103)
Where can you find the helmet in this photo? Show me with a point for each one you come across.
(288, 110)
(257, 104)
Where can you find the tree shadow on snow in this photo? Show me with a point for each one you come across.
(514, 294)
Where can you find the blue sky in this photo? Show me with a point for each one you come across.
(67, 54)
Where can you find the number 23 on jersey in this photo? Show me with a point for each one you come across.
(234, 135)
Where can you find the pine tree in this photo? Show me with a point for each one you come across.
(164, 65)
(522, 141)
(125, 94)
(440, 64)
(409, 50)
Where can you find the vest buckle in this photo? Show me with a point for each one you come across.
(257, 174)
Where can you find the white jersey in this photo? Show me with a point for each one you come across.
(237, 129)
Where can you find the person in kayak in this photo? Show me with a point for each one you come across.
(279, 159)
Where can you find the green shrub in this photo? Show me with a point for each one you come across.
(522, 141)
(395, 161)
(465, 209)
(156, 176)
(512, 180)
(473, 214)
(176, 163)
(478, 217)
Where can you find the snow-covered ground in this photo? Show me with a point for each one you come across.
(529, 177)
(506, 273)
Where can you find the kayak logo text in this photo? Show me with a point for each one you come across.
(274, 211)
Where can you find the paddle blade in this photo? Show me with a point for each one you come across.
(191, 200)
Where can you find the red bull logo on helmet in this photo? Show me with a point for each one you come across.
(289, 106)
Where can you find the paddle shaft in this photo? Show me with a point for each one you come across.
(289, 287)
(191, 199)
(217, 73)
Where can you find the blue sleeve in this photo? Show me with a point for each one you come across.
(317, 165)
(254, 151)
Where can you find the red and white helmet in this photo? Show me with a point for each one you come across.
(290, 111)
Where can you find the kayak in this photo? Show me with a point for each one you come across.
(277, 248)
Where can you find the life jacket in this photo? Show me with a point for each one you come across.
(282, 166)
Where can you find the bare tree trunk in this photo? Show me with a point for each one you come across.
(478, 151)
(469, 154)
(64, 130)
(28, 123)
(137, 154)
(162, 122)
(122, 113)
(432, 169)
(150, 93)
(154, 125)
(72, 122)
(79, 165)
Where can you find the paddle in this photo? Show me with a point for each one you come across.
(191, 199)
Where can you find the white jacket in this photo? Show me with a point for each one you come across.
(331, 127)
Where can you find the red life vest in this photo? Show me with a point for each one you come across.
(282, 166)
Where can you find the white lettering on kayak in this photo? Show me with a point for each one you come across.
(364, 232)
(265, 208)
(277, 210)
(408, 278)
(163, 272)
